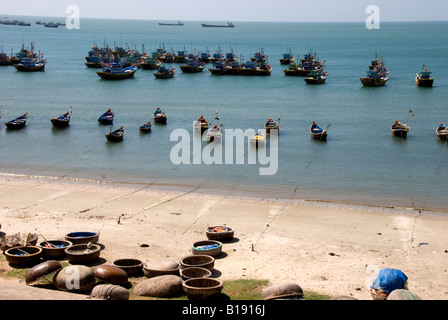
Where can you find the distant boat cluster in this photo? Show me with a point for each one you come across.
(204, 25)
(5, 21)
(120, 63)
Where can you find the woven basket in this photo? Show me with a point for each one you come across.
(219, 236)
(31, 257)
(202, 288)
(195, 272)
(154, 269)
(55, 253)
(197, 250)
(133, 267)
(81, 253)
(203, 261)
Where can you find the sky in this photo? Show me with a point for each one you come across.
(236, 10)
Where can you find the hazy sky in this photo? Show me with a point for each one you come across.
(235, 10)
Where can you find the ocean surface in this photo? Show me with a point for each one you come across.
(360, 163)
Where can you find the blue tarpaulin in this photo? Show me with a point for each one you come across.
(389, 280)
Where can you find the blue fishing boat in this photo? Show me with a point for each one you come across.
(116, 135)
(159, 116)
(115, 71)
(423, 79)
(17, 123)
(107, 117)
(271, 124)
(377, 75)
(315, 77)
(255, 68)
(145, 128)
(317, 132)
(287, 58)
(62, 121)
(31, 64)
(164, 73)
(192, 66)
(442, 132)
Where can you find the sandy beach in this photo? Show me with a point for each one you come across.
(332, 249)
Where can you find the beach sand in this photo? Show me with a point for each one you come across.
(333, 249)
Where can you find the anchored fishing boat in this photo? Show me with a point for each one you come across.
(258, 140)
(377, 75)
(164, 73)
(61, 121)
(159, 116)
(192, 66)
(442, 132)
(271, 124)
(423, 79)
(201, 124)
(116, 135)
(317, 132)
(287, 58)
(399, 129)
(171, 24)
(315, 77)
(30, 64)
(17, 123)
(115, 71)
(214, 134)
(228, 25)
(106, 118)
(146, 127)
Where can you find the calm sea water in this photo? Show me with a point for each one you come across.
(360, 163)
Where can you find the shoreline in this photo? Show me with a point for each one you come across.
(224, 193)
(328, 248)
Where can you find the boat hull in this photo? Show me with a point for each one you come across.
(314, 81)
(189, 69)
(163, 75)
(94, 64)
(400, 133)
(319, 136)
(160, 119)
(60, 123)
(442, 135)
(20, 67)
(424, 82)
(372, 82)
(116, 76)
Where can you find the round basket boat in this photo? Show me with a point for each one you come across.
(54, 249)
(207, 247)
(23, 256)
(20, 239)
(219, 233)
(202, 261)
(202, 288)
(161, 268)
(195, 272)
(133, 267)
(82, 237)
(82, 253)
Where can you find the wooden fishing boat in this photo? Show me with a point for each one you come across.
(192, 66)
(306, 64)
(94, 62)
(62, 121)
(316, 77)
(399, 129)
(151, 63)
(377, 75)
(146, 127)
(115, 71)
(106, 118)
(225, 68)
(201, 124)
(442, 132)
(258, 140)
(17, 123)
(253, 68)
(164, 73)
(4, 59)
(317, 132)
(214, 134)
(271, 124)
(287, 58)
(160, 116)
(30, 64)
(423, 79)
(116, 135)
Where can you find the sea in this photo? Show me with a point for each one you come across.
(361, 163)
